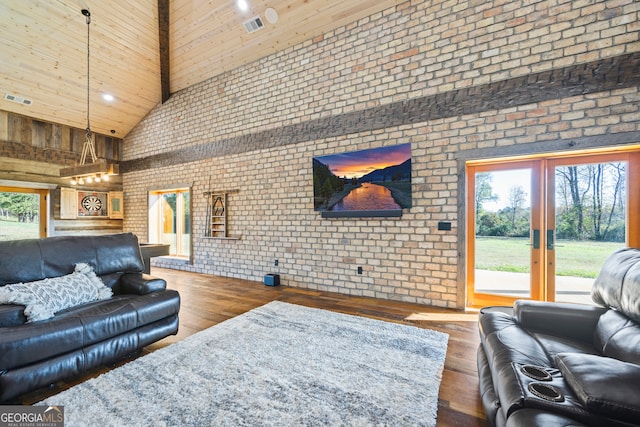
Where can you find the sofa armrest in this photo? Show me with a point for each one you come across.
(141, 284)
(575, 321)
(605, 386)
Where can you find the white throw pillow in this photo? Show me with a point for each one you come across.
(44, 298)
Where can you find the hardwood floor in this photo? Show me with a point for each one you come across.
(208, 300)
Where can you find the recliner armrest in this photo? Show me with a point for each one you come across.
(576, 321)
(141, 284)
(605, 386)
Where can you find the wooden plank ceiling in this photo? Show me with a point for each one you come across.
(43, 50)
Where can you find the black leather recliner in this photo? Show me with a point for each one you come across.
(36, 354)
(557, 364)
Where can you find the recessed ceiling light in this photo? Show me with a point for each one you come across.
(242, 5)
(108, 97)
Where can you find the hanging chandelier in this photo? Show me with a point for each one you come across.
(99, 169)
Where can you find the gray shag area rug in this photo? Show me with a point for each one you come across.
(277, 365)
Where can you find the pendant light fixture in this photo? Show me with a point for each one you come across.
(99, 169)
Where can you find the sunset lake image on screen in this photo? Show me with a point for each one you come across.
(377, 179)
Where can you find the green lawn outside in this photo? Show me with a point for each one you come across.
(573, 258)
(14, 230)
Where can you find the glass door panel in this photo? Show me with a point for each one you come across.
(588, 216)
(503, 231)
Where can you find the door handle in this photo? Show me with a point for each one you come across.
(536, 239)
(550, 242)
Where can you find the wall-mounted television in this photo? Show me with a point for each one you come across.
(366, 183)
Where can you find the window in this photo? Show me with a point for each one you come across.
(23, 213)
(170, 220)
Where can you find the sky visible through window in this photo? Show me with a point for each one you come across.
(501, 184)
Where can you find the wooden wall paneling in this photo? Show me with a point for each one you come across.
(33, 149)
(107, 148)
(14, 129)
(117, 149)
(39, 135)
(33, 132)
(49, 134)
(65, 138)
(86, 226)
(77, 139)
(56, 137)
(4, 126)
(26, 134)
(98, 142)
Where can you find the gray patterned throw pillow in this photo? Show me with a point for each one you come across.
(44, 298)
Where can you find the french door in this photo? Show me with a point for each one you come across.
(541, 228)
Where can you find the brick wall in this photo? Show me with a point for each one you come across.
(448, 77)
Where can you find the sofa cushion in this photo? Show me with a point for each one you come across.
(33, 342)
(618, 336)
(20, 261)
(505, 341)
(618, 283)
(605, 386)
(103, 319)
(112, 280)
(12, 315)
(84, 325)
(37, 259)
(155, 305)
(109, 253)
(554, 345)
(122, 313)
(44, 298)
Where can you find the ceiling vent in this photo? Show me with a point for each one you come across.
(254, 24)
(17, 99)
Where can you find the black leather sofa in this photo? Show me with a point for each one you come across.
(39, 353)
(558, 364)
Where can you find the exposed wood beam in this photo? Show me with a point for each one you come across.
(163, 32)
(100, 166)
